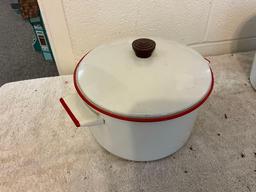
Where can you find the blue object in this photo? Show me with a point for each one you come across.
(41, 42)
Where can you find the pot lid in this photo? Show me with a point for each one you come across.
(143, 78)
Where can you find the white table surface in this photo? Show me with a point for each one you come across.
(41, 149)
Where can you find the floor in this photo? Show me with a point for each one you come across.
(18, 60)
(42, 150)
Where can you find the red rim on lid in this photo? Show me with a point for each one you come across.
(144, 80)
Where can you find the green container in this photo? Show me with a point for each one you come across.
(40, 41)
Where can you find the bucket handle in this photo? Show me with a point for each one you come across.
(79, 112)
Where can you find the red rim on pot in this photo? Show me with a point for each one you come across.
(143, 80)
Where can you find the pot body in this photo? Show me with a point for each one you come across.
(137, 141)
(144, 141)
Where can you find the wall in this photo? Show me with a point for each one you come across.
(210, 26)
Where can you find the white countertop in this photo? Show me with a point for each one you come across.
(41, 149)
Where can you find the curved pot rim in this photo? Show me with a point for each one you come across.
(139, 119)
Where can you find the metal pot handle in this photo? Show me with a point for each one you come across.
(79, 112)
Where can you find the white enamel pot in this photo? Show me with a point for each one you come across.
(253, 73)
(139, 98)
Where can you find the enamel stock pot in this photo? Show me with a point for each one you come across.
(139, 98)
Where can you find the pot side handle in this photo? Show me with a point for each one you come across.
(79, 112)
